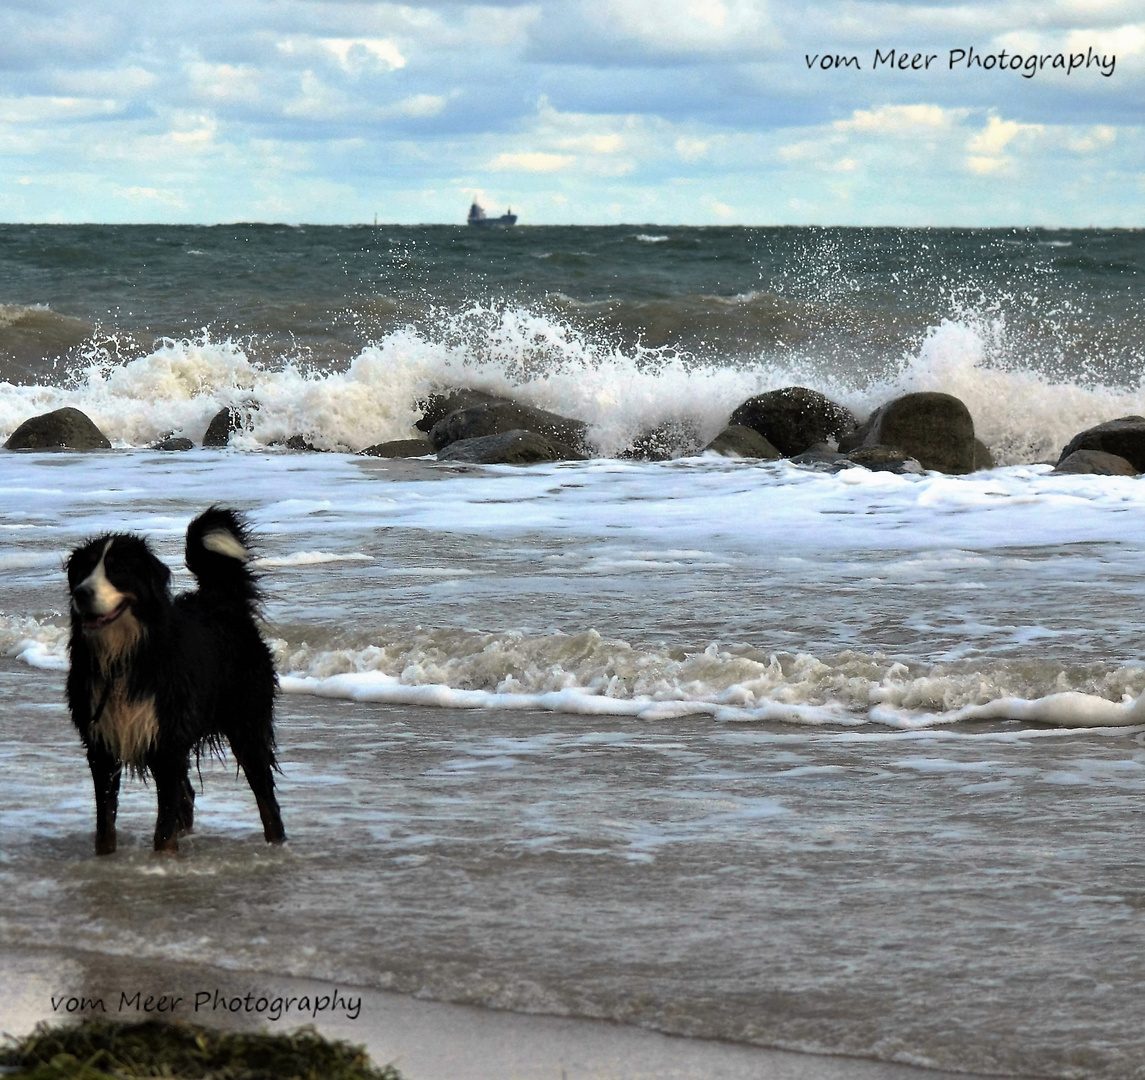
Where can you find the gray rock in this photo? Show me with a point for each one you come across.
(301, 442)
(983, 459)
(885, 459)
(225, 422)
(823, 457)
(1097, 463)
(66, 427)
(935, 429)
(674, 439)
(397, 448)
(1124, 437)
(794, 419)
(438, 406)
(174, 443)
(508, 448)
(739, 441)
(498, 419)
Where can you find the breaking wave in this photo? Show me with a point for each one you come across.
(586, 673)
(1022, 413)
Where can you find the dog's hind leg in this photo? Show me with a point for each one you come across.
(105, 774)
(258, 764)
(170, 789)
(186, 816)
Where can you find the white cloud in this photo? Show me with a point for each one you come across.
(199, 132)
(118, 83)
(611, 143)
(998, 134)
(637, 108)
(986, 147)
(535, 161)
(152, 195)
(48, 110)
(1122, 42)
(692, 149)
(897, 119)
(1097, 138)
(680, 26)
(225, 83)
(985, 166)
(420, 105)
(316, 100)
(354, 54)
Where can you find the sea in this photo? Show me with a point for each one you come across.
(844, 762)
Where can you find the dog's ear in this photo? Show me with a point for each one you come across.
(159, 580)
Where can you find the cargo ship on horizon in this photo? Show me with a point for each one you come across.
(478, 217)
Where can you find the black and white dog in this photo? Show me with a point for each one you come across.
(155, 678)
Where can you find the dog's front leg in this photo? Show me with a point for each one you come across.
(105, 774)
(170, 780)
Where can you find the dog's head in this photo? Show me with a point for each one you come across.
(115, 576)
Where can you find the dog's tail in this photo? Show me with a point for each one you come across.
(219, 553)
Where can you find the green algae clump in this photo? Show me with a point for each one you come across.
(104, 1050)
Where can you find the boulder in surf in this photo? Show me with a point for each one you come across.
(676, 438)
(794, 418)
(174, 444)
(519, 447)
(497, 419)
(935, 429)
(885, 459)
(736, 440)
(399, 448)
(226, 422)
(62, 428)
(438, 406)
(1124, 437)
(1096, 463)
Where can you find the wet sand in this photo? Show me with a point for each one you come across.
(426, 1040)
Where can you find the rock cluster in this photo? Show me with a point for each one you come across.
(912, 433)
(909, 434)
(1115, 448)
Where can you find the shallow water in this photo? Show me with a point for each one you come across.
(969, 898)
(704, 777)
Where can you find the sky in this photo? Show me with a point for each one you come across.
(703, 112)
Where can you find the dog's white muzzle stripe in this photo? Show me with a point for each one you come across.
(105, 597)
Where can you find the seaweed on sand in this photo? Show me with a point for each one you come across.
(104, 1050)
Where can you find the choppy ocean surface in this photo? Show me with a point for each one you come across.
(846, 763)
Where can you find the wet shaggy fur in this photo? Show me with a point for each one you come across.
(155, 679)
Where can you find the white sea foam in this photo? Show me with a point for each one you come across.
(589, 674)
(37, 643)
(1021, 413)
(586, 673)
(311, 558)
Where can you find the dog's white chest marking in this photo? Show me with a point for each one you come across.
(127, 728)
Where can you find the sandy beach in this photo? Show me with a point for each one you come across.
(426, 1040)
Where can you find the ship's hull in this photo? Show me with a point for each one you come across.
(502, 222)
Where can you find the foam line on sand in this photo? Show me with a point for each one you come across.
(426, 1040)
